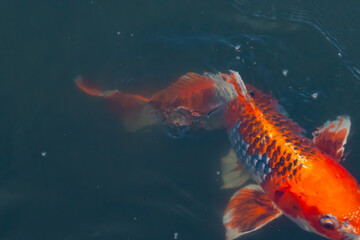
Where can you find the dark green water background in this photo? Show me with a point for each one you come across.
(98, 181)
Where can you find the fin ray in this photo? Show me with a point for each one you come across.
(248, 210)
(332, 136)
(136, 113)
(232, 172)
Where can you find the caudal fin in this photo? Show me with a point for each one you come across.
(134, 110)
(89, 87)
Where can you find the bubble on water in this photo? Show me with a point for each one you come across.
(285, 72)
(176, 235)
(217, 172)
(315, 95)
(118, 33)
(340, 55)
(237, 58)
(134, 218)
(43, 153)
(237, 48)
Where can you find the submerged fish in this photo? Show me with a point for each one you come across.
(193, 101)
(295, 176)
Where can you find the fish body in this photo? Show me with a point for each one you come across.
(294, 176)
(193, 101)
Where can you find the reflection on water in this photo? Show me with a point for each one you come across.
(334, 21)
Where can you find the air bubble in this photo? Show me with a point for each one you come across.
(315, 95)
(285, 72)
(43, 153)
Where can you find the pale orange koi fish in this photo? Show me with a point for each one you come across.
(196, 101)
(295, 176)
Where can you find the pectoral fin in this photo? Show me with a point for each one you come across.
(331, 137)
(248, 210)
(232, 172)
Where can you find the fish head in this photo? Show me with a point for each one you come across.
(327, 201)
(180, 117)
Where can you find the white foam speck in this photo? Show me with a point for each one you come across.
(43, 153)
(176, 235)
(285, 72)
(237, 48)
(315, 95)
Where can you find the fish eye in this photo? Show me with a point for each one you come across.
(328, 223)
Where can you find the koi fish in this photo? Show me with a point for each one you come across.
(295, 176)
(193, 101)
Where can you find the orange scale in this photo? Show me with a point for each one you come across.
(282, 161)
(288, 157)
(289, 166)
(256, 141)
(273, 144)
(278, 150)
(268, 150)
(251, 150)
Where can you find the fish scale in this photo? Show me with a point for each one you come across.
(256, 164)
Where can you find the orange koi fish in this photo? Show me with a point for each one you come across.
(193, 101)
(296, 177)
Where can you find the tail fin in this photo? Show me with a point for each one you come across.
(89, 87)
(135, 111)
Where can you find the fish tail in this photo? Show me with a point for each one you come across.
(89, 87)
(135, 110)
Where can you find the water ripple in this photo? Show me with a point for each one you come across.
(341, 32)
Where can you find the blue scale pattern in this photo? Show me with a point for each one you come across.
(256, 164)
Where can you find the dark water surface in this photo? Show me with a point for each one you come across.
(96, 181)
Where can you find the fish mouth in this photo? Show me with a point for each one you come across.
(175, 131)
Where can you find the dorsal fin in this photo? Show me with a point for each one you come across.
(332, 136)
(189, 84)
(191, 91)
(240, 87)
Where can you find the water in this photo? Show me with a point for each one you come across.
(68, 170)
